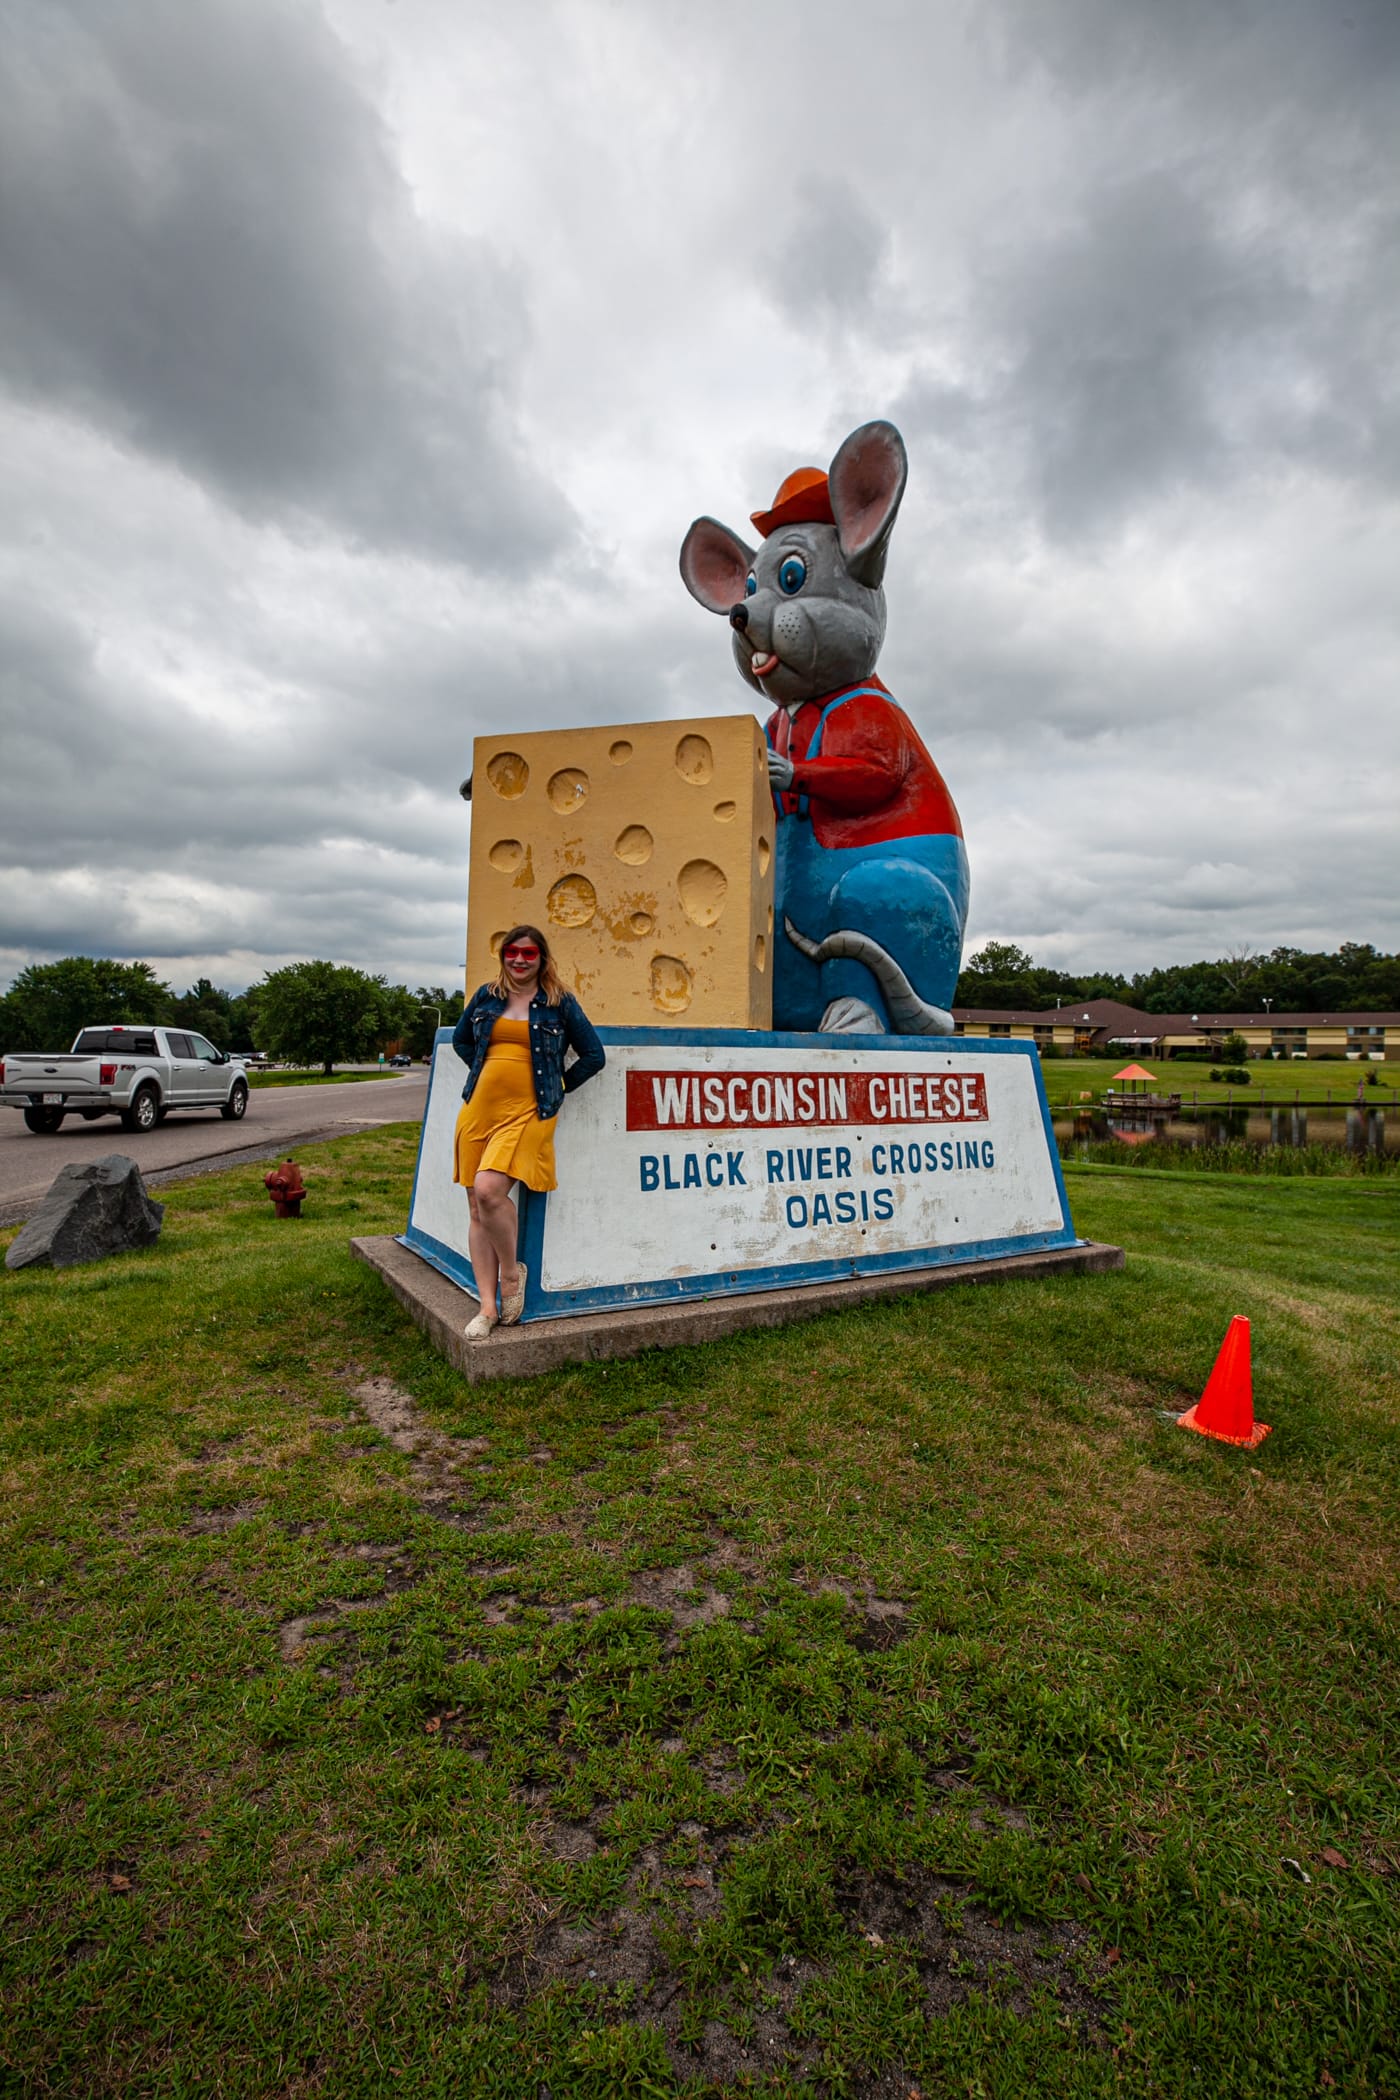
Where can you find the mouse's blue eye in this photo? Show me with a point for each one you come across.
(750, 584)
(792, 575)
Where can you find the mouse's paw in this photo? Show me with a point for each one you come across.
(851, 1017)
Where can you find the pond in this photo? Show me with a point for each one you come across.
(1351, 1130)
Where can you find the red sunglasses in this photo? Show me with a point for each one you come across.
(517, 954)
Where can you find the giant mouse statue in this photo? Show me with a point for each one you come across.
(872, 878)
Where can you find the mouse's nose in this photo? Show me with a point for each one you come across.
(739, 617)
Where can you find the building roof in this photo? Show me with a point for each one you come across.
(1129, 1024)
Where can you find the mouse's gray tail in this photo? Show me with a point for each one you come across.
(910, 1014)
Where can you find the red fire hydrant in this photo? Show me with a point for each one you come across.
(286, 1188)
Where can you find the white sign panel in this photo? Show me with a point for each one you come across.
(711, 1161)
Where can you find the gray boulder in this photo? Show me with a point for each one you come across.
(92, 1210)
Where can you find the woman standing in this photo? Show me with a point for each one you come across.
(513, 1036)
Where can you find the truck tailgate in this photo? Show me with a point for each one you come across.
(67, 1075)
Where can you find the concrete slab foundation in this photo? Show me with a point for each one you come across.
(442, 1310)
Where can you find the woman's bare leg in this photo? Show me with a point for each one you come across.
(485, 1265)
(494, 1226)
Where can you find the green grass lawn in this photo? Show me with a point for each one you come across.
(280, 1078)
(898, 1704)
(1066, 1078)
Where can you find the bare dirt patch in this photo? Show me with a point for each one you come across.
(294, 1636)
(438, 1462)
(960, 1948)
(205, 1521)
(950, 1950)
(689, 1601)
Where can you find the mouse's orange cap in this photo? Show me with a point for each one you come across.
(803, 499)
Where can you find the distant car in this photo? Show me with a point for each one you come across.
(402, 1058)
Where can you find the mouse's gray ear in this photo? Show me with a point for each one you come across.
(866, 483)
(714, 564)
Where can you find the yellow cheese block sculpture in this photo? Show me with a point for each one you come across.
(645, 853)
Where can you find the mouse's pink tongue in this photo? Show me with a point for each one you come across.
(764, 666)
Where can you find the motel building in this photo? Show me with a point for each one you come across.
(1108, 1026)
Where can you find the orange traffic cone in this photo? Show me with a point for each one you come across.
(1225, 1409)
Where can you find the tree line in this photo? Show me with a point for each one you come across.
(324, 1013)
(308, 1013)
(1357, 978)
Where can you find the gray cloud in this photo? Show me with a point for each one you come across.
(206, 245)
(826, 266)
(1219, 299)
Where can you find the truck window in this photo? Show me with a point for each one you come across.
(180, 1045)
(95, 1041)
(205, 1050)
(135, 1042)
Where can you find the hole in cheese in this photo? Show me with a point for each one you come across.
(572, 901)
(702, 889)
(695, 761)
(508, 774)
(567, 788)
(670, 984)
(634, 845)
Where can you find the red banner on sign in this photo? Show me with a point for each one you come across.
(816, 1100)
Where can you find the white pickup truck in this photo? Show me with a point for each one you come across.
(128, 1070)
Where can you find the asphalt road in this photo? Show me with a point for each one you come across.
(278, 1118)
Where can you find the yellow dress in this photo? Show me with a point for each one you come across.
(499, 1128)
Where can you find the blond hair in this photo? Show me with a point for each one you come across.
(550, 982)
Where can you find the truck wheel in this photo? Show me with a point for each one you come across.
(144, 1112)
(236, 1106)
(43, 1121)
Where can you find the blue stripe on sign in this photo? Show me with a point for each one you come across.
(554, 1305)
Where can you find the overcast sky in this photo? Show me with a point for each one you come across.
(363, 363)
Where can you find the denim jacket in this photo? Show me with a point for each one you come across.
(553, 1030)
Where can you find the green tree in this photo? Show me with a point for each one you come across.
(1001, 974)
(49, 1002)
(436, 1007)
(208, 1011)
(323, 1013)
(224, 1017)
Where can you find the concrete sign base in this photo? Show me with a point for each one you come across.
(441, 1308)
(712, 1163)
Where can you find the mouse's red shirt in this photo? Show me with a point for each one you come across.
(871, 779)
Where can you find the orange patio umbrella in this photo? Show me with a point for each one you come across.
(1134, 1073)
(1134, 1076)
